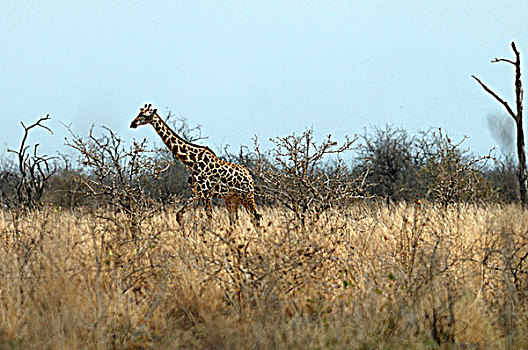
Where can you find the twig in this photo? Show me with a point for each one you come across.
(497, 97)
(151, 311)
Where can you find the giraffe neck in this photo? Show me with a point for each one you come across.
(190, 154)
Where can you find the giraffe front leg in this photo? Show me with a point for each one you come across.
(208, 204)
(190, 202)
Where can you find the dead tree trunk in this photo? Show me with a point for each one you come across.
(522, 173)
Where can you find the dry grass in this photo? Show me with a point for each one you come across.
(404, 276)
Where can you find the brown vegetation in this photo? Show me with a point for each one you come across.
(410, 245)
(369, 276)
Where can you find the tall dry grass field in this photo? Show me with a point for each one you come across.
(401, 276)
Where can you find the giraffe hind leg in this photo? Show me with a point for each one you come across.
(232, 204)
(249, 204)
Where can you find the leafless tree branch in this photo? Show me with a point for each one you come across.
(502, 60)
(298, 173)
(34, 170)
(497, 97)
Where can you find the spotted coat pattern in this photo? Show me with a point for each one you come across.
(210, 176)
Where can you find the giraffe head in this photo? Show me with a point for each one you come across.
(146, 116)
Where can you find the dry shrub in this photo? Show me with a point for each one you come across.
(305, 176)
(24, 187)
(117, 176)
(451, 174)
(370, 276)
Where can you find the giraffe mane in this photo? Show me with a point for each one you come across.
(195, 145)
(187, 142)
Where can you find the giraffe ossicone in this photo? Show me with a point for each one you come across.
(210, 176)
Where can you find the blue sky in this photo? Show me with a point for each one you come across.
(266, 68)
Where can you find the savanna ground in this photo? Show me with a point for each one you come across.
(371, 276)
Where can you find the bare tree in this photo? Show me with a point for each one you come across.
(296, 173)
(517, 117)
(34, 171)
(117, 175)
(450, 174)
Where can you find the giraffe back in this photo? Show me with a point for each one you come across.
(213, 176)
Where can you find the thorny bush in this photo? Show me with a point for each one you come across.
(453, 176)
(117, 175)
(298, 174)
(25, 186)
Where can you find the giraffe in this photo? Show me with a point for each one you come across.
(210, 176)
